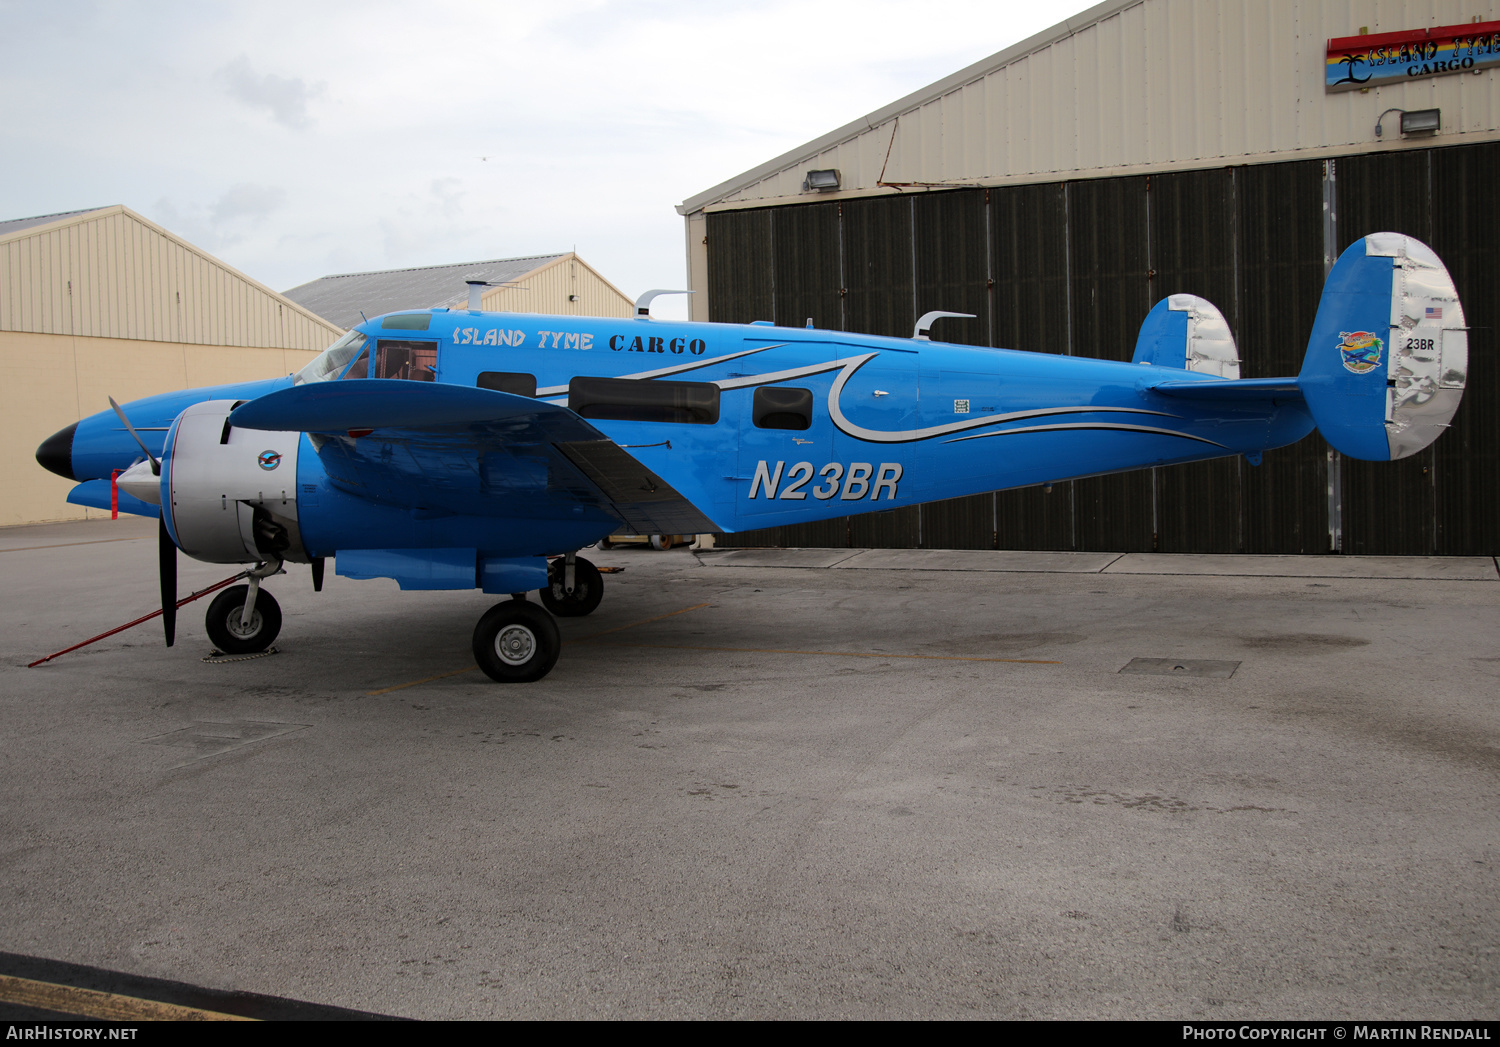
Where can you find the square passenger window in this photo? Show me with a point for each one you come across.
(507, 382)
(782, 407)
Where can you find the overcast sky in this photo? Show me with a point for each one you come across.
(294, 140)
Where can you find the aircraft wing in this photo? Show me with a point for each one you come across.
(439, 449)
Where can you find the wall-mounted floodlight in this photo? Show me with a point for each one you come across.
(1415, 122)
(1421, 121)
(821, 181)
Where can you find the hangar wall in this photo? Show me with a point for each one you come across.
(105, 303)
(1073, 267)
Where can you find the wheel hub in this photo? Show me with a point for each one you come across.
(240, 630)
(515, 644)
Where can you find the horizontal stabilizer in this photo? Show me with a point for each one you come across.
(1283, 390)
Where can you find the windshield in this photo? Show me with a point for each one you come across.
(332, 360)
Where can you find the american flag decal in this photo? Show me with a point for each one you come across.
(1434, 312)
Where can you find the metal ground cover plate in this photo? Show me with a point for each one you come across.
(1181, 667)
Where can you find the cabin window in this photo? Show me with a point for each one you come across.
(360, 368)
(782, 407)
(406, 322)
(638, 400)
(507, 382)
(327, 365)
(414, 361)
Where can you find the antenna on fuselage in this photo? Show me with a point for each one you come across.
(643, 303)
(924, 325)
(477, 284)
(476, 290)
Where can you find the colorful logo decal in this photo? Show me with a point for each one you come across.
(1361, 351)
(269, 460)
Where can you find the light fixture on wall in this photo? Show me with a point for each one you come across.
(1421, 121)
(825, 181)
(1414, 122)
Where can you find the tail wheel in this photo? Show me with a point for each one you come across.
(516, 642)
(229, 634)
(588, 589)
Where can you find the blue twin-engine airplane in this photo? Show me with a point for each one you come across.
(453, 449)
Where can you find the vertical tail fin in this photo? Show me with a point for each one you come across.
(1189, 332)
(1385, 366)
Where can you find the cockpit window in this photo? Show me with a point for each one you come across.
(332, 360)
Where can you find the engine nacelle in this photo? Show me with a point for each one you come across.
(230, 495)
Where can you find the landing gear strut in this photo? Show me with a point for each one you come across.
(242, 619)
(574, 587)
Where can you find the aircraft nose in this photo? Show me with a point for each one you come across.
(56, 453)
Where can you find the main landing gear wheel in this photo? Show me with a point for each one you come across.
(229, 634)
(516, 642)
(588, 589)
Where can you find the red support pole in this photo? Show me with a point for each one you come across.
(114, 493)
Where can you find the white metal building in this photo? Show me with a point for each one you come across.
(102, 303)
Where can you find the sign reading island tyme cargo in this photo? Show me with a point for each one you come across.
(1384, 58)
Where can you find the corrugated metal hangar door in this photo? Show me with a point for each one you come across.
(1073, 267)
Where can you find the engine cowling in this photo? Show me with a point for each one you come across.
(230, 495)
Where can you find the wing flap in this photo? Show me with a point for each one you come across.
(646, 502)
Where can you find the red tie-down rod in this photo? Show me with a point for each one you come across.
(143, 618)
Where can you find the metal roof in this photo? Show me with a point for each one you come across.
(1135, 87)
(15, 225)
(345, 298)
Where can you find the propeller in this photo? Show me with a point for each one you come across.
(166, 549)
(155, 463)
(166, 560)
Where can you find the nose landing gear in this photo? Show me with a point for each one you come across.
(242, 619)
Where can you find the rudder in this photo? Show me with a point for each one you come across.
(1386, 362)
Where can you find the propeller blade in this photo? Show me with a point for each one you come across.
(317, 573)
(166, 551)
(155, 464)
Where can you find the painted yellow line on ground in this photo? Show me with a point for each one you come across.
(583, 639)
(425, 679)
(829, 654)
(64, 545)
(90, 1003)
(643, 621)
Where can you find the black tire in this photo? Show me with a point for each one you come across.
(588, 589)
(223, 621)
(516, 642)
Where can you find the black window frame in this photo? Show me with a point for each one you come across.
(644, 400)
